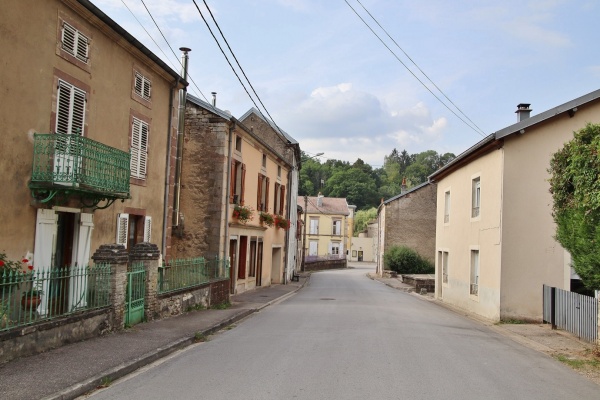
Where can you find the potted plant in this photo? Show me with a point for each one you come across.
(281, 222)
(31, 299)
(11, 272)
(266, 219)
(243, 213)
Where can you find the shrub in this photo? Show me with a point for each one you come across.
(405, 260)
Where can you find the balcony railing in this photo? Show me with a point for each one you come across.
(75, 164)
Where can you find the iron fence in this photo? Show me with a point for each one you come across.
(572, 312)
(186, 273)
(27, 298)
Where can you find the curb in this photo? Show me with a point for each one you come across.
(120, 371)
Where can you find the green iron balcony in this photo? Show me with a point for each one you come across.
(66, 165)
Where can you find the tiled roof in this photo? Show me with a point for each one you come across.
(330, 205)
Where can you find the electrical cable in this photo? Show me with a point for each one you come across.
(419, 68)
(411, 72)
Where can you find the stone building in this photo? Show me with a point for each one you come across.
(408, 219)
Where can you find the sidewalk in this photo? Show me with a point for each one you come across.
(72, 370)
(539, 337)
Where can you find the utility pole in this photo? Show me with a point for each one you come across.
(304, 234)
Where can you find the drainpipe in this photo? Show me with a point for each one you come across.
(168, 171)
(227, 192)
(180, 133)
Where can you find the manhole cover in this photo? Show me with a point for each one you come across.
(327, 298)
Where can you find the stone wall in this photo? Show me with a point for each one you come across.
(34, 339)
(325, 264)
(410, 221)
(203, 183)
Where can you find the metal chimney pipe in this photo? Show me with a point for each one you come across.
(523, 111)
(180, 133)
(214, 95)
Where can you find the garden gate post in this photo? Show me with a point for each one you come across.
(149, 255)
(115, 255)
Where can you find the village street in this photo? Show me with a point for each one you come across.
(344, 336)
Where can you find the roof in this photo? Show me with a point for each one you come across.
(412, 190)
(206, 105)
(271, 123)
(126, 35)
(330, 205)
(520, 127)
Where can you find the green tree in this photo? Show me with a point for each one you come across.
(362, 218)
(575, 188)
(355, 185)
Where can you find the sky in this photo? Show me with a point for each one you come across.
(329, 82)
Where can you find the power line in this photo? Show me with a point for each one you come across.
(240, 67)
(419, 68)
(413, 74)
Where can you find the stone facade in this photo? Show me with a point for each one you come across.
(409, 220)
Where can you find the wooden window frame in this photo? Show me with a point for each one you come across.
(82, 35)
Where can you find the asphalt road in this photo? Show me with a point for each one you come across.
(345, 336)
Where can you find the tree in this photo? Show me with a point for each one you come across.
(355, 185)
(362, 218)
(575, 188)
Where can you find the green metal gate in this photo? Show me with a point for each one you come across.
(136, 291)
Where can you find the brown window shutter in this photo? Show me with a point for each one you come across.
(282, 200)
(243, 184)
(267, 195)
(259, 193)
(232, 183)
(275, 202)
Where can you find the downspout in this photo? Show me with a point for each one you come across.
(227, 192)
(180, 134)
(168, 171)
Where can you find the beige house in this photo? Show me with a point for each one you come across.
(80, 95)
(494, 235)
(327, 231)
(407, 219)
(230, 163)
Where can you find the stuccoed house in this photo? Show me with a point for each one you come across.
(495, 233)
(90, 131)
(238, 177)
(327, 228)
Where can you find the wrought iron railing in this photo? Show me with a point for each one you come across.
(28, 298)
(77, 163)
(187, 273)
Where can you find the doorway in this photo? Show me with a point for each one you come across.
(232, 264)
(58, 287)
(276, 270)
(360, 255)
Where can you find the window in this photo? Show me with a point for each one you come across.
(264, 161)
(335, 249)
(279, 199)
(313, 248)
(474, 272)
(238, 143)
(447, 207)
(133, 229)
(74, 42)
(140, 131)
(142, 86)
(262, 200)
(279, 171)
(337, 227)
(443, 261)
(314, 226)
(237, 184)
(476, 197)
(70, 109)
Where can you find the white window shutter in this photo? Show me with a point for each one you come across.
(330, 250)
(122, 228)
(139, 148)
(148, 229)
(69, 38)
(70, 109)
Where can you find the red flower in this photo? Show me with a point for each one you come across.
(30, 267)
(1, 263)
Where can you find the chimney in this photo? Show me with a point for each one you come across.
(403, 187)
(523, 111)
(320, 200)
(214, 102)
